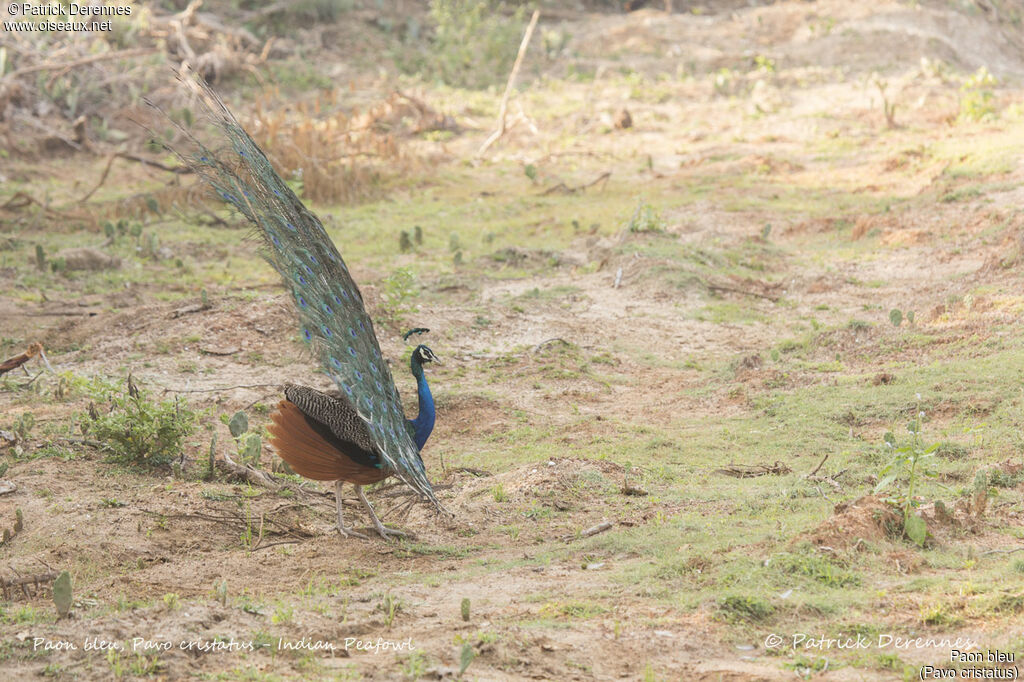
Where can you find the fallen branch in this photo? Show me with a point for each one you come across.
(815, 470)
(565, 189)
(217, 389)
(37, 581)
(103, 178)
(593, 530)
(503, 108)
(544, 343)
(1002, 551)
(473, 471)
(91, 59)
(193, 308)
(21, 200)
(754, 470)
(722, 287)
(19, 360)
(247, 473)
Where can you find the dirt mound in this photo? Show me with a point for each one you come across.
(868, 518)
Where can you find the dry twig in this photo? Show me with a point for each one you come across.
(503, 108)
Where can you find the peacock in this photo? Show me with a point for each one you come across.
(360, 435)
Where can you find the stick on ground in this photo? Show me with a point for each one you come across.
(503, 108)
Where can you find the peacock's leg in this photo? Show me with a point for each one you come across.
(345, 531)
(384, 531)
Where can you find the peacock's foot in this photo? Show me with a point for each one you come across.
(388, 533)
(347, 532)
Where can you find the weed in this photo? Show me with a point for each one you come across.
(750, 609)
(415, 666)
(399, 294)
(282, 614)
(645, 219)
(908, 458)
(249, 444)
(139, 431)
(390, 605)
(976, 97)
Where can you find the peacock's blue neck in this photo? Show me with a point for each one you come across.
(423, 424)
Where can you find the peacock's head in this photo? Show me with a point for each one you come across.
(424, 355)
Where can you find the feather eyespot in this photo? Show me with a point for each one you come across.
(325, 330)
(309, 270)
(328, 309)
(369, 402)
(373, 366)
(314, 260)
(379, 387)
(362, 326)
(274, 238)
(359, 375)
(344, 294)
(302, 280)
(277, 193)
(309, 337)
(348, 389)
(337, 300)
(335, 362)
(302, 301)
(204, 159)
(291, 227)
(352, 332)
(351, 351)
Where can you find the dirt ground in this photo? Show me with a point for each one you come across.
(598, 368)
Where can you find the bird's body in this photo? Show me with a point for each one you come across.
(361, 436)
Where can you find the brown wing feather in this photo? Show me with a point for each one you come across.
(312, 456)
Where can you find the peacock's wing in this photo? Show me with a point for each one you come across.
(330, 306)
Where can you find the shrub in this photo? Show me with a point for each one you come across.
(138, 430)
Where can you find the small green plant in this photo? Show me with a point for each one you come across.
(498, 491)
(282, 614)
(750, 609)
(415, 667)
(171, 601)
(399, 294)
(977, 100)
(390, 605)
(23, 426)
(220, 591)
(249, 444)
(137, 430)
(909, 459)
(465, 658)
(645, 219)
(465, 609)
(62, 597)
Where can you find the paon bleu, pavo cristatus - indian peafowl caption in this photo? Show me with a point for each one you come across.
(361, 436)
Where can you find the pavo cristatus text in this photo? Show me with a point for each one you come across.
(361, 436)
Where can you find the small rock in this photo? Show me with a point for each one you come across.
(86, 258)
